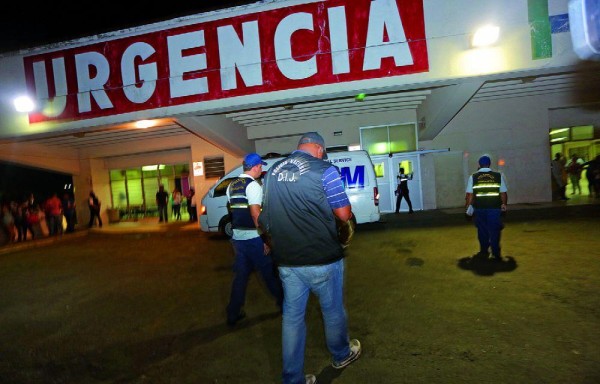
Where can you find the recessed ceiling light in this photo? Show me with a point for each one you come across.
(145, 123)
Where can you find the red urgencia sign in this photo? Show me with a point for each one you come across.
(294, 47)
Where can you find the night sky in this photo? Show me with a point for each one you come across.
(29, 25)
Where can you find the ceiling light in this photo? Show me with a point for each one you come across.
(145, 124)
(559, 130)
(485, 36)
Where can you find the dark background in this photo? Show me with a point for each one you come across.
(17, 182)
(29, 25)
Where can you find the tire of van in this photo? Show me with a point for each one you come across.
(225, 226)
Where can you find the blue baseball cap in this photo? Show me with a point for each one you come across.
(252, 159)
(485, 161)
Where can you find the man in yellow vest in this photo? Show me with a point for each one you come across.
(486, 199)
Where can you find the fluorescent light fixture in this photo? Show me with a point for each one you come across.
(559, 130)
(24, 104)
(152, 167)
(558, 139)
(485, 36)
(145, 124)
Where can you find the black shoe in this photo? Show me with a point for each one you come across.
(411, 211)
(240, 316)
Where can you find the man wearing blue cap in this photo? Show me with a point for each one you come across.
(304, 197)
(245, 197)
(486, 199)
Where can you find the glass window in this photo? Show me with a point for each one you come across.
(119, 194)
(389, 139)
(150, 189)
(375, 140)
(137, 187)
(166, 171)
(221, 189)
(583, 132)
(403, 138)
(379, 169)
(117, 174)
(134, 191)
(134, 173)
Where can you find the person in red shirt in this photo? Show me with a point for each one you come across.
(54, 215)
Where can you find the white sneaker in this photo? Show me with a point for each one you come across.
(355, 350)
(311, 379)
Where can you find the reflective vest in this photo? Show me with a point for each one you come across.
(403, 181)
(486, 188)
(238, 204)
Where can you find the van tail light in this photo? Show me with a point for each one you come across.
(203, 210)
(376, 196)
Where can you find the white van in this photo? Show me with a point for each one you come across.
(357, 173)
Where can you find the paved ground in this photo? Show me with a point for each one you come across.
(144, 303)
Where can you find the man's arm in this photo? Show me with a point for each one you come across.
(343, 213)
(336, 194)
(469, 197)
(255, 212)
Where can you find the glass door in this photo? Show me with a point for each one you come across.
(409, 165)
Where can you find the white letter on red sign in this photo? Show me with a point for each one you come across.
(87, 85)
(243, 56)
(179, 64)
(57, 105)
(138, 91)
(339, 40)
(290, 67)
(384, 16)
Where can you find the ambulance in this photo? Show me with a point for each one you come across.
(358, 175)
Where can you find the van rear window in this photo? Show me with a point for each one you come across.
(221, 188)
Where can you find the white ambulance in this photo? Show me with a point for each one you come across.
(357, 173)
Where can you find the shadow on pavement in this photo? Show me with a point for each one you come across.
(483, 266)
(123, 363)
(328, 375)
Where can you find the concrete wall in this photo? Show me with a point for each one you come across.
(514, 132)
(283, 138)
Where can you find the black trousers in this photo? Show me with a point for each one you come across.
(403, 193)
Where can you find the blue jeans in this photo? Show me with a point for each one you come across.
(489, 225)
(327, 283)
(249, 255)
